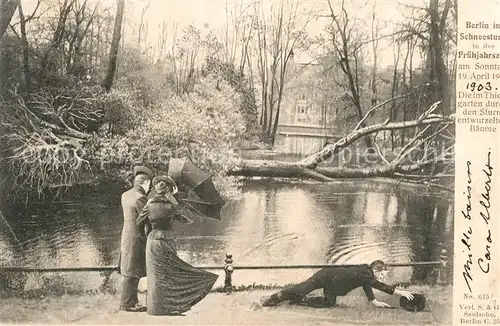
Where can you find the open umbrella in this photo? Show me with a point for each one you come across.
(197, 191)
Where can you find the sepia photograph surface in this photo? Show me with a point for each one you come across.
(247, 162)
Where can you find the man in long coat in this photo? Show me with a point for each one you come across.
(133, 240)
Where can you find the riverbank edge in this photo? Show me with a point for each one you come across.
(112, 181)
(238, 308)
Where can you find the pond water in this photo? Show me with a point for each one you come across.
(272, 223)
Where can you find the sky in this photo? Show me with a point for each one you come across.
(212, 14)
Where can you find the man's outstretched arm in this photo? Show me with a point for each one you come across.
(371, 297)
(390, 289)
(403, 293)
(384, 288)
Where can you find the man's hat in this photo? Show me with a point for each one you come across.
(166, 179)
(139, 169)
(414, 305)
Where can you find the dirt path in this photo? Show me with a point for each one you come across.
(240, 308)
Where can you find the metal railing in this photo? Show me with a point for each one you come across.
(208, 267)
(229, 268)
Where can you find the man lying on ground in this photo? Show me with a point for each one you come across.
(339, 281)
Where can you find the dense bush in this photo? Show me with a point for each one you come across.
(203, 125)
(241, 84)
(58, 126)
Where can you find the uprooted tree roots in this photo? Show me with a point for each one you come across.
(44, 135)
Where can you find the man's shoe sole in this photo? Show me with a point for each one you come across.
(134, 309)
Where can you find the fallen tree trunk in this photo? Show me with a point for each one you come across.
(278, 169)
(309, 168)
(329, 150)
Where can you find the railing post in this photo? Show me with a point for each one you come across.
(443, 258)
(228, 269)
(105, 285)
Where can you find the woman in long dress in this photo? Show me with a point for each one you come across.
(174, 286)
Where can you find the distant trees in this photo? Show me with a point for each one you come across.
(72, 86)
(347, 43)
(50, 108)
(410, 101)
(7, 10)
(72, 91)
(433, 28)
(277, 37)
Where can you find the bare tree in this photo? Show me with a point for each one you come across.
(57, 39)
(162, 40)
(276, 39)
(237, 35)
(397, 167)
(431, 26)
(141, 25)
(395, 87)
(375, 40)
(83, 19)
(115, 44)
(437, 36)
(183, 56)
(7, 10)
(25, 77)
(347, 46)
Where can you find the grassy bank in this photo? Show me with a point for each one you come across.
(238, 308)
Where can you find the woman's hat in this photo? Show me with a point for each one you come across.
(167, 180)
(414, 305)
(139, 169)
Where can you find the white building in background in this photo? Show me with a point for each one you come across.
(307, 115)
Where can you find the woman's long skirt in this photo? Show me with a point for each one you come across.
(173, 284)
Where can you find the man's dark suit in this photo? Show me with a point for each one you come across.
(335, 281)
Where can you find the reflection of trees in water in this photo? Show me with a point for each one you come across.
(426, 221)
(360, 236)
(371, 228)
(370, 235)
(244, 226)
(398, 241)
(400, 211)
(395, 234)
(12, 235)
(33, 227)
(104, 236)
(291, 232)
(270, 224)
(339, 212)
(60, 229)
(270, 219)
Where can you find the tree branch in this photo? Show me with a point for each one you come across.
(330, 150)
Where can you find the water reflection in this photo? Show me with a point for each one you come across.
(341, 223)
